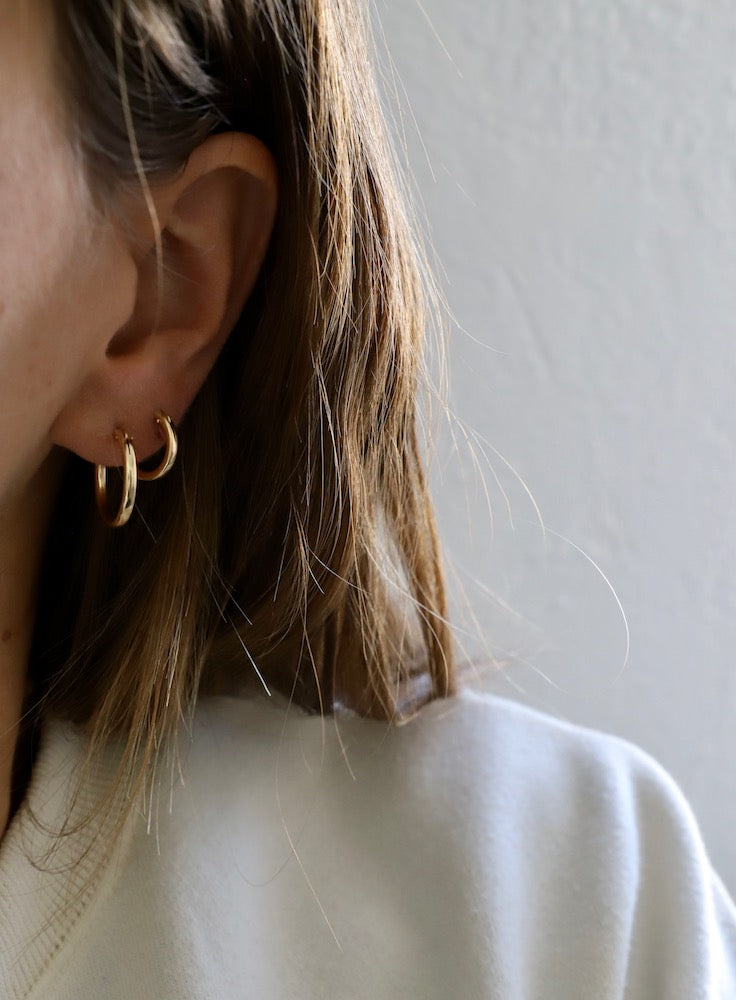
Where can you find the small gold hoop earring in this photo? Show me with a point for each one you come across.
(130, 483)
(171, 445)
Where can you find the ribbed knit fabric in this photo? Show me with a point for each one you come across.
(47, 882)
(482, 851)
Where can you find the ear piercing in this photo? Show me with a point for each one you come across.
(166, 430)
(132, 471)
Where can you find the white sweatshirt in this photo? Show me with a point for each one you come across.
(482, 851)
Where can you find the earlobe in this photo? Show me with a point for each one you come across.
(197, 255)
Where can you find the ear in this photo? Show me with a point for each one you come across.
(197, 243)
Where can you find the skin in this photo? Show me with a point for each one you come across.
(85, 345)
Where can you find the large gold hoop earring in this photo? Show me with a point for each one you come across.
(130, 484)
(171, 446)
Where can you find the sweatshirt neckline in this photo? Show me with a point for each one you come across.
(47, 883)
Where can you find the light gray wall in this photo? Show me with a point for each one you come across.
(577, 163)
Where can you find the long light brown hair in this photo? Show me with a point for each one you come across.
(295, 546)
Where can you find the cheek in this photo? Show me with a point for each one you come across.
(30, 268)
(52, 288)
(54, 272)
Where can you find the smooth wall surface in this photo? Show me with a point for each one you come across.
(577, 167)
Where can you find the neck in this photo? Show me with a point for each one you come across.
(23, 520)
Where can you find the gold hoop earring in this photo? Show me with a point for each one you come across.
(130, 483)
(171, 445)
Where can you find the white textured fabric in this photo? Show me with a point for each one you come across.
(482, 851)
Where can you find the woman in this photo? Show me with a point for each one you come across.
(208, 281)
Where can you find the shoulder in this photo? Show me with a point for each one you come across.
(473, 743)
(483, 849)
(557, 766)
(471, 770)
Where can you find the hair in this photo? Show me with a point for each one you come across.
(295, 544)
